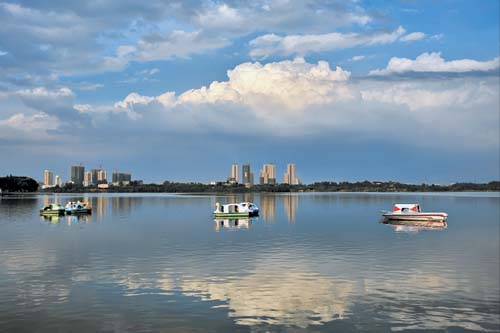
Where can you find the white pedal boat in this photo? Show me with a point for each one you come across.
(243, 209)
(77, 207)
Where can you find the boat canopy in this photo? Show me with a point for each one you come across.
(230, 208)
(401, 208)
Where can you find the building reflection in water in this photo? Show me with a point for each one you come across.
(290, 202)
(232, 224)
(236, 198)
(99, 207)
(267, 207)
(121, 205)
(46, 200)
(248, 197)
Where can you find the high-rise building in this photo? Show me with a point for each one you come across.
(102, 177)
(118, 177)
(290, 176)
(87, 178)
(77, 173)
(58, 181)
(48, 178)
(268, 174)
(247, 175)
(235, 173)
(94, 176)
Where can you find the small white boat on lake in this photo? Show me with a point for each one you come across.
(77, 207)
(413, 212)
(242, 209)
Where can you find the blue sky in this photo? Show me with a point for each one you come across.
(348, 90)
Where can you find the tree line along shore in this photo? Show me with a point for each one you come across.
(16, 184)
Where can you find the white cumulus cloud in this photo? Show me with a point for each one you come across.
(433, 62)
(297, 98)
(294, 84)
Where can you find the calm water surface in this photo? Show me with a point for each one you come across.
(310, 262)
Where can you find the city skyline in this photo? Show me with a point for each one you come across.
(267, 175)
(339, 87)
(79, 176)
(95, 176)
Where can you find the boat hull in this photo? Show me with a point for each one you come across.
(232, 215)
(416, 217)
(78, 211)
(52, 212)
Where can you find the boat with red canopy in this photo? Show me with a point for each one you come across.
(413, 212)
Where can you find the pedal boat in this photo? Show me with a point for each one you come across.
(413, 212)
(77, 208)
(241, 210)
(52, 209)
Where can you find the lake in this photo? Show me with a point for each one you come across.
(319, 262)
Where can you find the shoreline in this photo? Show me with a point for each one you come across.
(24, 186)
(249, 192)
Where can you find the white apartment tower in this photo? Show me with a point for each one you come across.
(48, 178)
(87, 178)
(235, 173)
(58, 181)
(290, 176)
(102, 177)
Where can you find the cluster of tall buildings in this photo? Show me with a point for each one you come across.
(49, 180)
(267, 175)
(78, 176)
(94, 177)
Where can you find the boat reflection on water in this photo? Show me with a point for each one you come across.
(54, 219)
(415, 226)
(67, 219)
(232, 224)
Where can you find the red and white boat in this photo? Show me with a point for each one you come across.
(413, 212)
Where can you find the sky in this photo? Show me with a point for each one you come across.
(179, 90)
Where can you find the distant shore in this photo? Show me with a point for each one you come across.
(15, 185)
(366, 186)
